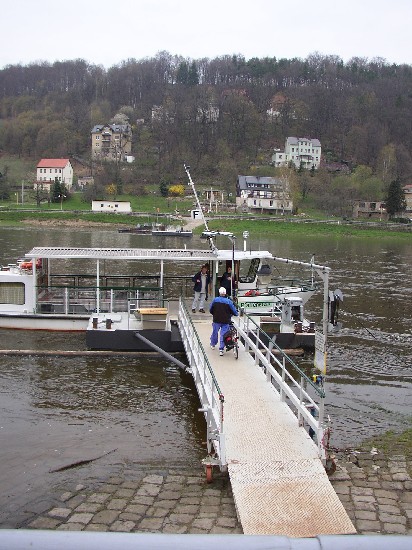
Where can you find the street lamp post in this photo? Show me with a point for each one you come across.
(245, 237)
(61, 197)
(17, 197)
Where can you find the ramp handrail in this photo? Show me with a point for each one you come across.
(207, 387)
(277, 369)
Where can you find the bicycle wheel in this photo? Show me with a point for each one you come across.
(236, 350)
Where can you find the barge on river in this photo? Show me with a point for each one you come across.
(158, 230)
(86, 289)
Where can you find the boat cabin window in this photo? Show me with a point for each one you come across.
(248, 270)
(12, 293)
(296, 313)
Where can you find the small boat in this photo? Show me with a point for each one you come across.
(158, 230)
(140, 229)
(172, 231)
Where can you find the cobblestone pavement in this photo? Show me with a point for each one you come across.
(173, 502)
(375, 491)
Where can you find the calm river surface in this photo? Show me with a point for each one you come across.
(58, 410)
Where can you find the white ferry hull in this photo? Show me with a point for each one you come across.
(58, 323)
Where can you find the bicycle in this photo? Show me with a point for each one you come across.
(230, 339)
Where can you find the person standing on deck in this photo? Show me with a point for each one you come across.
(228, 281)
(222, 310)
(201, 289)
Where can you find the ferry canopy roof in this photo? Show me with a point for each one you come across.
(144, 254)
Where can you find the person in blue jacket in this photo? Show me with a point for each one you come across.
(201, 289)
(222, 310)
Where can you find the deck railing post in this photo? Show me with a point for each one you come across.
(320, 430)
(246, 329)
(97, 286)
(66, 300)
(282, 393)
(257, 346)
(222, 442)
(300, 418)
(268, 359)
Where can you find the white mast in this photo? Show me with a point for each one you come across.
(199, 206)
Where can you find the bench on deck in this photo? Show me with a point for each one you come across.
(152, 317)
(270, 324)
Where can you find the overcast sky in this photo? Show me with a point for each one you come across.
(106, 32)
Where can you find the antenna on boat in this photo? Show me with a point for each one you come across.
(312, 261)
(199, 206)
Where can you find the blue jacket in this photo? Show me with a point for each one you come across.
(222, 310)
(197, 279)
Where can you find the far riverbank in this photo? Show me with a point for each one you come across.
(255, 226)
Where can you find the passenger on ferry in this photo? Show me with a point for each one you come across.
(201, 289)
(222, 310)
(228, 282)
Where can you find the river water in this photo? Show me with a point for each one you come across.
(144, 411)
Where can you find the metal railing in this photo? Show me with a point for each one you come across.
(86, 300)
(207, 387)
(290, 382)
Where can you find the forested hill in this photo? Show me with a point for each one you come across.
(221, 115)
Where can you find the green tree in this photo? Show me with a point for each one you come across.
(164, 187)
(367, 186)
(387, 166)
(4, 186)
(395, 200)
(41, 195)
(182, 74)
(192, 75)
(59, 192)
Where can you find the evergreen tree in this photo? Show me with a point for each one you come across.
(4, 186)
(164, 187)
(395, 200)
(58, 192)
(192, 75)
(182, 74)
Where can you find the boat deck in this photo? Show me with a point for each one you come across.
(279, 484)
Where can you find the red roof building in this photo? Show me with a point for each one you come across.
(50, 169)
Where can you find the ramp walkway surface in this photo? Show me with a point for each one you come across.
(279, 484)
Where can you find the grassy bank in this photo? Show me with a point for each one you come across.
(14, 218)
(256, 227)
(391, 443)
(278, 228)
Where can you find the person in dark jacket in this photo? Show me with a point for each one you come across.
(222, 310)
(201, 289)
(228, 282)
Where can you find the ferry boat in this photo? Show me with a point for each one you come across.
(83, 289)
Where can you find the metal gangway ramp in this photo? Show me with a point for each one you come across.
(279, 482)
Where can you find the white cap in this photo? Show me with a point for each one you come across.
(222, 290)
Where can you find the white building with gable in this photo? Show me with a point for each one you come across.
(300, 151)
(50, 170)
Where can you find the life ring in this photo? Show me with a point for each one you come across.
(252, 293)
(29, 265)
